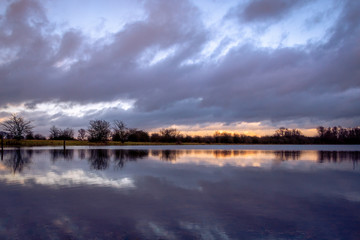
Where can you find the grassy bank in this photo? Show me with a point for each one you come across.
(31, 143)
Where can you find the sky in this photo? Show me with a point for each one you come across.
(196, 65)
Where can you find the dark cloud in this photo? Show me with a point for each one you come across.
(314, 81)
(264, 11)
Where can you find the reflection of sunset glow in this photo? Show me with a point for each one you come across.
(243, 158)
(2, 167)
(51, 167)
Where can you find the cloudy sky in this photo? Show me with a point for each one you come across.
(198, 65)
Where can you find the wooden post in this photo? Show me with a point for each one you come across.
(2, 147)
(64, 145)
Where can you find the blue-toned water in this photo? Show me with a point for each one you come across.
(181, 192)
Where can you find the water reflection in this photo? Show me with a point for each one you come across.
(58, 154)
(336, 156)
(167, 155)
(287, 155)
(17, 160)
(101, 159)
(121, 156)
(339, 156)
(178, 194)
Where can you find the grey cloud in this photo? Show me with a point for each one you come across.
(70, 43)
(316, 81)
(262, 11)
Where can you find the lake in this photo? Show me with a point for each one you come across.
(181, 192)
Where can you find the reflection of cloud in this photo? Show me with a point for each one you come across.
(64, 173)
(352, 196)
(207, 232)
(184, 201)
(160, 231)
(67, 225)
(69, 178)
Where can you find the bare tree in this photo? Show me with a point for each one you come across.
(54, 132)
(17, 127)
(81, 134)
(39, 137)
(169, 134)
(135, 135)
(99, 130)
(59, 134)
(67, 134)
(121, 133)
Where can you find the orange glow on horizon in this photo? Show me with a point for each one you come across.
(258, 133)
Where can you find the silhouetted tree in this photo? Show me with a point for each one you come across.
(135, 135)
(223, 137)
(54, 132)
(208, 139)
(99, 130)
(169, 134)
(155, 137)
(67, 134)
(287, 136)
(39, 137)
(59, 134)
(336, 135)
(17, 127)
(321, 131)
(120, 131)
(81, 134)
(29, 136)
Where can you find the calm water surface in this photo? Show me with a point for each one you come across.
(181, 192)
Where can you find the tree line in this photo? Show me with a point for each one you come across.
(16, 127)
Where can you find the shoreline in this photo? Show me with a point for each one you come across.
(35, 143)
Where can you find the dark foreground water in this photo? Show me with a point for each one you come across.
(232, 192)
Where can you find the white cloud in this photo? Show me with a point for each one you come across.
(69, 108)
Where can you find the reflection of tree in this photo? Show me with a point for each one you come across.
(29, 153)
(81, 153)
(222, 153)
(155, 153)
(229, 153)
(99, 158)
(56, 154)
(17, 160)
(287, 155)
(123, 155)
(169, 155)
(338, 156)
(242, 152)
